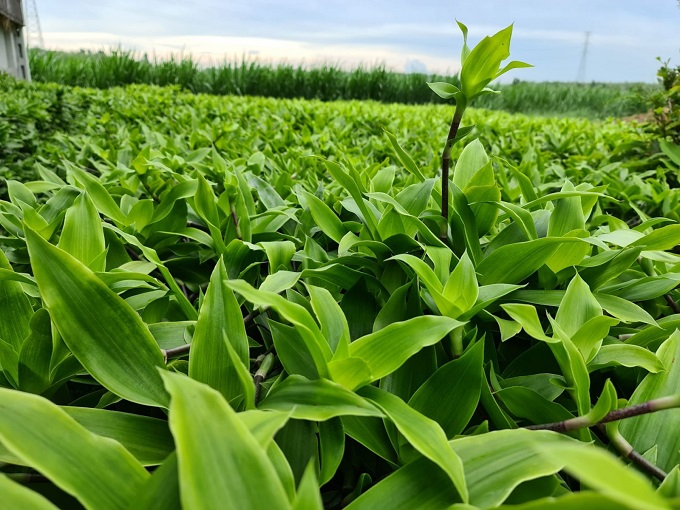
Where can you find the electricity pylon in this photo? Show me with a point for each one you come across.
(582, 66)
(35, 35)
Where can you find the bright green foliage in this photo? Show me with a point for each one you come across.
(184, 289)
(326, 82)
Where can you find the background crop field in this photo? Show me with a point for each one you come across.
(328, 83)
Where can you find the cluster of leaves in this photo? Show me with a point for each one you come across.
(196, 313)
(666, 103)
(100, 129)
(327, 82)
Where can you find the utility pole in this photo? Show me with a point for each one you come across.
(582, 66)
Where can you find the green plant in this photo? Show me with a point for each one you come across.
(326, 82)
(480, 66)
(666, 103)
(196, 313)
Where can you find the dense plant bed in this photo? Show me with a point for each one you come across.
(246, 303)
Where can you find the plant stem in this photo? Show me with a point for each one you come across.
(261, 374)
(627, 450)
(234, 218)
(26, 478)
(580, 422)
(671, 302)
(457, 342)
(446, 162)
(183, 350)
(133, 254)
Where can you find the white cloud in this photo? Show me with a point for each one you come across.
(209, 49)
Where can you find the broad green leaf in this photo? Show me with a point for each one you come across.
(600, 470)
(205, 202)
(450, 396)
(279, 254)
(461, 288)
(664, 238)
(18, 193)
(627, 356)
(35, 354)
(280, 281)
(616, 262)
(497, 462)
(570, 501)
(98, 471)
(573, 367)
(386, 350)
(606, 403)
(83, 235)
(100, 196)
(445, 90)
(578, 306)
(659, 428)
(148, 439)
(567, 214)
(316, 400)
(371, 433)
(465, 52)
(588, 338)
(394, 310)
(482, 64)
(515, 64)
(100, 329)
(347, 182)
(314, 341)
(325, 218)
(151, 254)
(212, 471)
(414, 198)
(419, 484)
(308, 496)
(291, 350)
(423, 271)
(527, 317)
(334, 325)
(15, 309)
(527, 403)
(299, 444)
(219, 322)
(331, 448)
(624, 310)
(17, 496)
(425, 435)
(670, 487)
(515, 262)
(161, 491)
(403, 156)
(432, 283)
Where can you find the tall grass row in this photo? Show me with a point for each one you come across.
(326, 82)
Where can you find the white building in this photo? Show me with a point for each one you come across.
(13, 55)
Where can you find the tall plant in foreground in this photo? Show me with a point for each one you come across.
(480, 66)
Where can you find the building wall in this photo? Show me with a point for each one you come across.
(4, 53)
(13, 55)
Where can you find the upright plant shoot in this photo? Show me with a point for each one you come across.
(480, 66)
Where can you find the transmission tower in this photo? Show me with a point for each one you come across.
(582, 66)
(35, 36)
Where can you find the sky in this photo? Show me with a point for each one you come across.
(625, 36)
